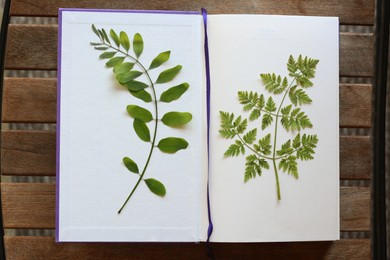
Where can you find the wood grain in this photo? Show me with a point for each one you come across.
(349, 11)
(39, 99)
(35, 47)
(355, 105)
(32, 205)
(355, 158)
(30, 100)
(46, 248)
(33, 154)
(356, 54)
(28, 153)
(355, 208)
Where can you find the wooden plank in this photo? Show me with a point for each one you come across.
(32, 205)
(30, 100)
(35, 47)
(46, 248)
(355, 105)
(38, 96)
(33, 154)
(356, 54)
(355, 158)
(28, 205)
(31, 47)
(355, 209)
(28, 153)
(349, 11)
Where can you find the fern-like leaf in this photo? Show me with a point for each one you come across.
(235, 149)
(250, 137)
(289, 165)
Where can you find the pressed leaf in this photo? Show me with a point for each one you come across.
(101, 48)
(168, 75)
(174, 93)
(95, 30)
(176, 118)
(106, 37)
(114, 61)
(130, 165)
(124, 39)
(172, 144)
(96, 43)
(124, 67)
(107, 54)
(156, 187)
(138, 45)
(142, 94)
(127, 76)
(134, 85)
(142, 130)
(250, 137)
(114, 37)
(140, 113)
(160, 59)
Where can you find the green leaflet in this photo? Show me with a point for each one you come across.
(139, 113)
(138, 45)
(142, 94)
(142, 130)
(156, 187)
(172, 144)
(134, 85)
(123, 67)
(174, 93)
(265, 112)
(107, 55)
(127, 76)
(168, 75)
(176, 118)
(115, 38)
(130, 165)
(115, 61)
(124, 40)
(95, 30)
(160, 59)
(105, 36)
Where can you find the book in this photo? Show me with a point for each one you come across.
(171, 121)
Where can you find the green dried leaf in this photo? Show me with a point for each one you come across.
(138, 45)
(142, 130)
(107, 55)
(174, 93)
(106, 37)
(134, 85)
(96, 43)
(101, 48)
(140, 113)
(168, 75)
(156, 187)
(127, 76)
(95, 30)
(142, 94)
(115, 61)
(124, 39)
(266, 121)
(250, 137)
(160, 59)
(123, 67)
(176, 118)
(130, 165)
(172, 144)
(235, 149)
(115, 38)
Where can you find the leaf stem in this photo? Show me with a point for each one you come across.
(274, 158)
(155, 125)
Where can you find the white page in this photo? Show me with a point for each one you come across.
(242, 47)
(95, 132)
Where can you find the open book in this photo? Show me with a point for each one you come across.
(153, 115)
